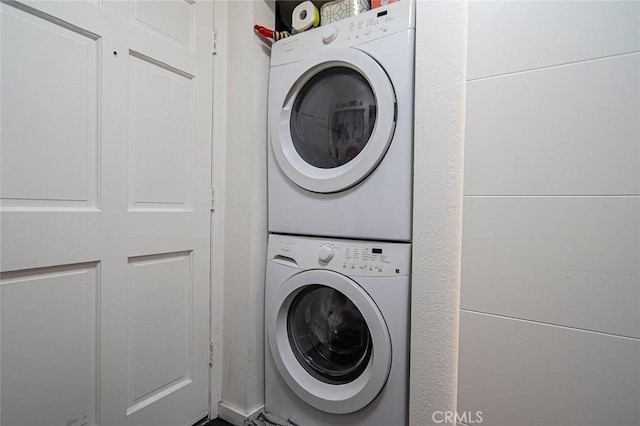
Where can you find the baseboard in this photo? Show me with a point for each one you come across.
(235, 415)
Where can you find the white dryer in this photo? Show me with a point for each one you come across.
(336, 331)
(341, 128)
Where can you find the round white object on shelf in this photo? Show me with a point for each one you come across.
(305, 16)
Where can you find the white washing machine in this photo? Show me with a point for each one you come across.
(336, 331)
(341, 128)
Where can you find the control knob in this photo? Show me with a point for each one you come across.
(325, 254)
(329, 34)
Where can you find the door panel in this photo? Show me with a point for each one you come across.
(49, 346)
(106, 171)
(160, 289)
(161, 135)
(49, 123)
(171, 20)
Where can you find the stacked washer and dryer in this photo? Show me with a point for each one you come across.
(337, 294)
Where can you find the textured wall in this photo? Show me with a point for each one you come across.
(244, 227)
(439, 134)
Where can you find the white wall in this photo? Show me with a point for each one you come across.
(550, 298)
(241, 229)
(438, 157)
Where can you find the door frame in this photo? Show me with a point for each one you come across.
(218, 153)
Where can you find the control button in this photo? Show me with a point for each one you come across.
(329, 34)
(325, 254)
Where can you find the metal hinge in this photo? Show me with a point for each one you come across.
(210, 353)
(214, 38)
(213, 199)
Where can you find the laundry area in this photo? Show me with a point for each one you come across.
(319, 213)
(339, 190)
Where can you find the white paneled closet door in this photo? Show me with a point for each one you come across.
(105, 175)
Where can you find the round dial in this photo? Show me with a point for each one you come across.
(325, 254)
(329, 34)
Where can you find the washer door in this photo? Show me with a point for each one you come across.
(329, 341)
(335, 120)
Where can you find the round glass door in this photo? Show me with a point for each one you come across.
(332, 119)
(328, 335)
(328, 340)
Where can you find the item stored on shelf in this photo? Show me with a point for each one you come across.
(304, 16)
(341, 9)
(378, 3)
(269, 33)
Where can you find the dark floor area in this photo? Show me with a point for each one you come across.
(215, 422)
(218, 422)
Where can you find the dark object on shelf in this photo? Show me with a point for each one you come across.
(284, 9)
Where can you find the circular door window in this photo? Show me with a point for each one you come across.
(329, 341)
(332, 119)
(328, 335)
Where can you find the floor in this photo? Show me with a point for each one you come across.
(216, 422)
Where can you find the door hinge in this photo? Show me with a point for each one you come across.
(214, 39)
(213, 199)
(210, 353)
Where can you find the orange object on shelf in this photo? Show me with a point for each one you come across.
(378, 3)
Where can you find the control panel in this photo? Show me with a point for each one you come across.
(367, 26)
(349, 257)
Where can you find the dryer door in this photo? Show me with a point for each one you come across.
(333, 119)
(329, 341)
